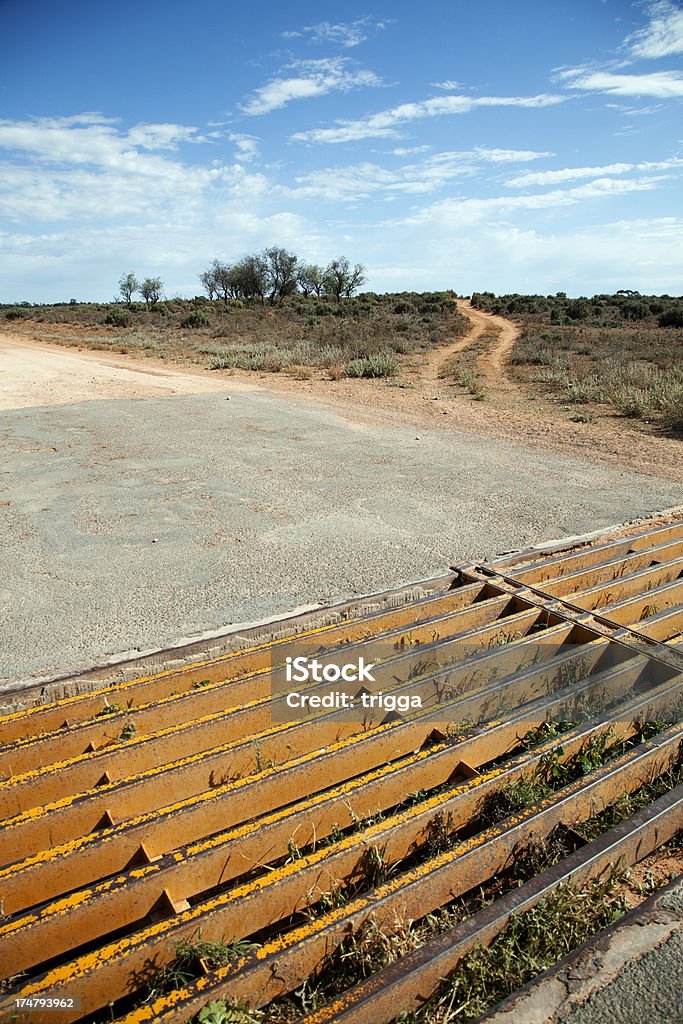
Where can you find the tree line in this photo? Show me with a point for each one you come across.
(275, 273)
(270, 275)
(150, 289)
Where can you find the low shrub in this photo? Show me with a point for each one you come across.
(381, 364)
(197, 319)
(118, 317)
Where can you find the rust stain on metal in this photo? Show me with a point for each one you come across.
(175, 803)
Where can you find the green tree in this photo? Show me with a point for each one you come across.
(281, 272)
(128, 285)
(251, 277)
(209, 283)
(151, 290)
(311, 278)
(223, 280)
(342, 280)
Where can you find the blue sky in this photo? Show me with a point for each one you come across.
(513, 147)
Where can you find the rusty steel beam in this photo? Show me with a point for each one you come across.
(196, 868)
(641, 607)
(562, 607)
(75, 816)
(285, 962)
(638, 565)
(592, 588)
(222, 697)
(138, 755)
(411, 981)
(664, 626)
(621, 587)
(540, 568)
(50, 717)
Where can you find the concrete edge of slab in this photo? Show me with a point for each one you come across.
(125, 665)
(598, 964)
(22, 694)
(556, 546)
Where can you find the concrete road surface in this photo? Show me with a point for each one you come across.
(131, 523)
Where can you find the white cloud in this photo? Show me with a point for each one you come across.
(386, 122)
(359, 181)
(407, 150)
(345, 34)
(247, 146)
(310, 78)
(629, 111)
(449, 85)
(86, 167)
(453, 213)
(575, 173)
(507, 156)
(662, 84)
(94, 139)
(662, 37)
(162, 136)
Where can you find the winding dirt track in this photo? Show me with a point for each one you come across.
(434, 362)
(492, 363)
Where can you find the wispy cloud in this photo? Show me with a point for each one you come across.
(629, 111)
(308, 78)
(533, 178)
(93, 138)
(451, 213)
(662, 84)
(408, 150)
(387, 122)
(359, 181)
(87, 167)
(247, 146)
(662, 37)
(449, 85)
(346, 34)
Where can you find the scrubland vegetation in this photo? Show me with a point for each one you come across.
(361, 336)
(624, 351)
(616, 354)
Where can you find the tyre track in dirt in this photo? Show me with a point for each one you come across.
(434, 362)
(491, 363)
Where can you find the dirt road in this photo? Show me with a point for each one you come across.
(492, 364)
(32, 374)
